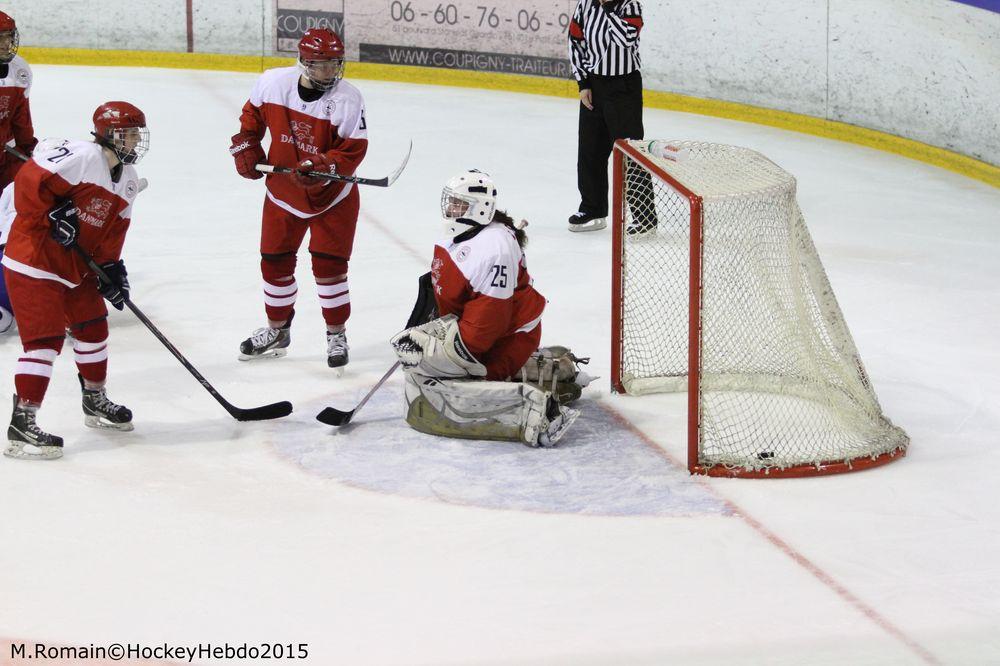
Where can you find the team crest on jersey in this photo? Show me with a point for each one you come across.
(99, 207)
(463, 254)
(329, 107)
(22, 76)
(130, 189)
(302, 130)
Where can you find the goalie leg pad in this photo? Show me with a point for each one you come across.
(472, 409)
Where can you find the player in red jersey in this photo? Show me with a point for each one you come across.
(15, 114)
(489, 328)
(480, 275)
(71, 193)
(317, 123)
(15, 127)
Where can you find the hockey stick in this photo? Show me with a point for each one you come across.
(357, 180)
(273, 411)
(16, 153)
(424, 309)
(336, 417)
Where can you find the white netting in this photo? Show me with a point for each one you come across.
(782, 384)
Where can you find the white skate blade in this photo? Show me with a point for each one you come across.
(273, 353)
(558, 427)
(338, 372)
(93, 421)
(17, 451)
(642, 237)
(596, 224)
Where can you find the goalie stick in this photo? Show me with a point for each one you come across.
(337, 418)
(357, 180)
(273, 411)
(424, 309)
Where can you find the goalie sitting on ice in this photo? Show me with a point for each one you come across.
(476, 372)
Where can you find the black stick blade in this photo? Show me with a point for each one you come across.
(334, 417)
(266, 413)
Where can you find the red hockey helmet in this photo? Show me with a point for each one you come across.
(8, 38)
(321, 58)
(121, 127)
(321, 44)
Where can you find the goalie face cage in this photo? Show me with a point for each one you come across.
(718, 290)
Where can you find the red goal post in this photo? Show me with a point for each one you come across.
(717, 290)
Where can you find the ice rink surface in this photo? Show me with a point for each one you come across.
(378, 545)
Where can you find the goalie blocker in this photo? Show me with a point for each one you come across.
(445, 397)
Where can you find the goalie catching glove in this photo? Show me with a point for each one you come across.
(556, 369)
(435, 349)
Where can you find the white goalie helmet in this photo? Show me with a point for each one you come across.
(468, 200)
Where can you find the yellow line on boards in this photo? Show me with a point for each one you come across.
(537, 85)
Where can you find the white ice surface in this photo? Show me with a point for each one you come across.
(378, 545)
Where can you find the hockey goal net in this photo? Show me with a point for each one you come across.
(718, 291)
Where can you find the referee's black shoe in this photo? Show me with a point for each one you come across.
(581, 221)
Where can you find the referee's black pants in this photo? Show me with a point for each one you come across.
(617, 114)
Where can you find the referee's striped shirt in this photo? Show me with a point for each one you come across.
(604, 39)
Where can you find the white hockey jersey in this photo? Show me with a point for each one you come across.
(74, 170)
(485, 282)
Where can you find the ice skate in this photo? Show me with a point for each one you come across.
(641, 229)
(560, 419)
(27, 441)
(581, 221)
(267, 342)
(100, 412)
(336, 350)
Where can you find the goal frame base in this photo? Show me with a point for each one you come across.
(798, 471)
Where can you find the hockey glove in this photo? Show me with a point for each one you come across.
(64, 226)
(435, 349)
(247, 153)
(116, 291)
(320, 163)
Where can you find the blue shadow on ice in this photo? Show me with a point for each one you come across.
(600, 468)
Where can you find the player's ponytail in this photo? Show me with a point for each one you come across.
(503, 218)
